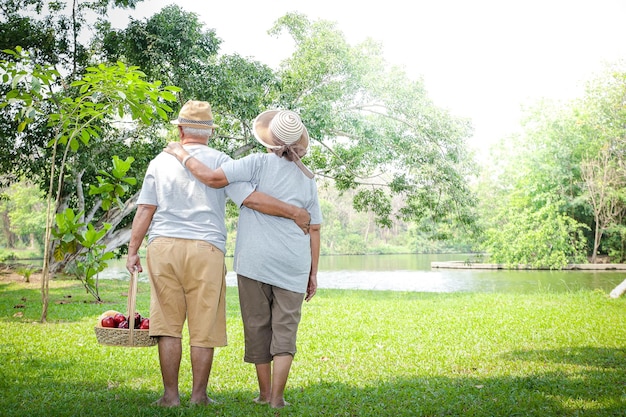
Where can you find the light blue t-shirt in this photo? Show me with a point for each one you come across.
(186, 208)
(270, 249)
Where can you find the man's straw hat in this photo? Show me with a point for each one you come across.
(195, 114)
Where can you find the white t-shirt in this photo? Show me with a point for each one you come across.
(270, 249)
(186, 208)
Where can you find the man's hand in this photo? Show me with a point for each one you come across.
(303, 220)
(133, 264)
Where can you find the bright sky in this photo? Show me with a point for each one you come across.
(481, 59)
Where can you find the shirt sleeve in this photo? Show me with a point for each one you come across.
(148, 188)
(241, 170)
(314, 208)
(237, 189)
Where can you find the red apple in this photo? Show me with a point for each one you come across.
(119, 318)
(123, 325)
(145, 323)
(138, 319)
(108, 322)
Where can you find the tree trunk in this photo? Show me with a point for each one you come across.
(6, 227)
(596, 241)
(619, 290)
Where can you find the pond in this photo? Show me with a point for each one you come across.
(412, 272)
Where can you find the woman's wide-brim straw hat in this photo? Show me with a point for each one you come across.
(273, 126)
(195, 114)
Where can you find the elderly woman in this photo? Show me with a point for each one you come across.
(276, 264)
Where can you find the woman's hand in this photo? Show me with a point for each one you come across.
(311, 288)
(176, 149)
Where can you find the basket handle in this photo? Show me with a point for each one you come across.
(132, 295)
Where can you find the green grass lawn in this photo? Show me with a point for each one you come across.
(361, 353)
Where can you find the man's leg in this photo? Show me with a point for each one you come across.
(170, 352)
(201, 363)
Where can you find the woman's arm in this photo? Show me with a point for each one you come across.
(256, 200)
(314, 233)
(213, 178)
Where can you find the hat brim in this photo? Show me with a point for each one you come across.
(263, 134)
(196, 125)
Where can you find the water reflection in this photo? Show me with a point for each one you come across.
(413, 273)
(471, 280)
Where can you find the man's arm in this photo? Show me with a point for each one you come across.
(141, 223)
(269, 205)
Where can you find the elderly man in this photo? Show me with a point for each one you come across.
(184, 220)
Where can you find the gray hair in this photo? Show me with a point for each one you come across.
(197, 132)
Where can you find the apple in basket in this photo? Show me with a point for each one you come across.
(145, 324)
(119, 318)
(138, 319)
(106, 319)
(108, 322)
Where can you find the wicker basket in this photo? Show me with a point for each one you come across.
(130, 337)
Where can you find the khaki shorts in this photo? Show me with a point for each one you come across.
(270, 319)
(187, 281)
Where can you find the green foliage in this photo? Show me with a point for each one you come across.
(23, 215)
(374, 200)
(615, 243)
(544, 238)
(106, 92)
(7, 256)
(115, 185)
(171, 46)
(570, 152)
(76, 238)
(374, 130)
(26, 271)
(83, 243)
(103, 95)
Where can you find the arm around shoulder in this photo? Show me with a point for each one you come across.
(212, 178)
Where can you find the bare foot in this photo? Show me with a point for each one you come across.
(280, 404)
(163, 402)
(260, 400)
(203, 401)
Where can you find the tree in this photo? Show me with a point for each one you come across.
(24, 214)
(375, 130)
(544, 238)
(99, 98)
(570, 156)
(605, 180)
(26, 151)
(378, 132)
(172, 46)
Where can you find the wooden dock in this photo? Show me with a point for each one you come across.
(571, 267)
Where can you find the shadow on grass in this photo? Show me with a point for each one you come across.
(592, 393)
(583, 356)
(597, 391)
